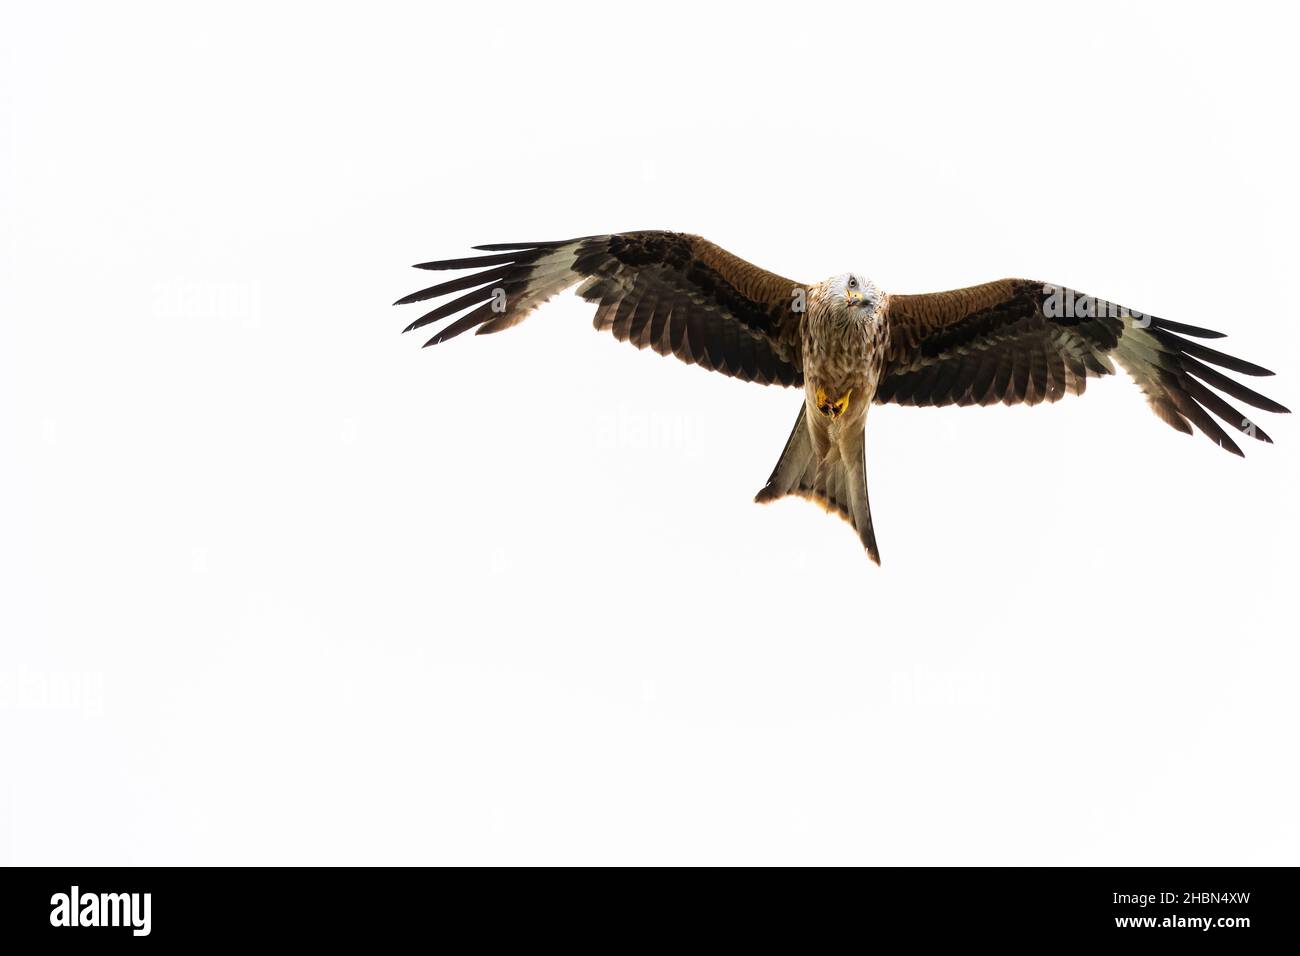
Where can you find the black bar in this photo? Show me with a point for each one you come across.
(1225, 907)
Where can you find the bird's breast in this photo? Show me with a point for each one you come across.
(844, 354)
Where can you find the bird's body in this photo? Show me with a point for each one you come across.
(843, 348)
(848, 345)
(843, 344)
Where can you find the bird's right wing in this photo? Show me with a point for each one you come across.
(678, 294)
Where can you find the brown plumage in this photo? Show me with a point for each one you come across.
(848, 345)
(678, 294)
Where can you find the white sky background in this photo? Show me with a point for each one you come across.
(276, 585)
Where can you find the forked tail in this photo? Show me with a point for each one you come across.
(838, 484)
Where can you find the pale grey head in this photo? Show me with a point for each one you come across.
(855, 296)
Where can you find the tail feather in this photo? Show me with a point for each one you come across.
(838, 484)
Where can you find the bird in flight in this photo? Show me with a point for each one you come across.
(849, 345)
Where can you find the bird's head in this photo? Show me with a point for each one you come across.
(855, 295)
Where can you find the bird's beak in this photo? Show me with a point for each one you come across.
(854, 297)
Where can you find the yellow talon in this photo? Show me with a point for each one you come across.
(834, 408)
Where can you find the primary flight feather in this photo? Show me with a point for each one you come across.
(849, 345)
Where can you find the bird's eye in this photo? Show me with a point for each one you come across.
(853, 282)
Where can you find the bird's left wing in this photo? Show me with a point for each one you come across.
(678, 294)
(1020, 341)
